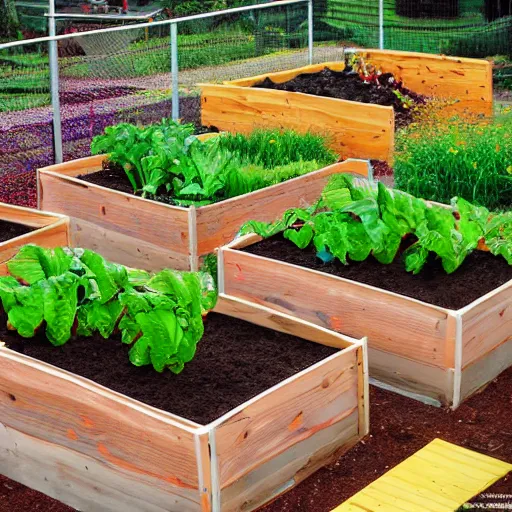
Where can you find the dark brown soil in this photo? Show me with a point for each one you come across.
(111, 176)
(10, 230)
(346, 85)
(399, 427)
(235, 361)
(479, 274)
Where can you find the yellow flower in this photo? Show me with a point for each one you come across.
(474, 165)
(509, 169)
(271, 141)
(453, 151)
(497, 148)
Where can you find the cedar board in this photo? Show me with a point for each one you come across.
(95, 449)
(145, 234)
(51, 230)
(358, 130)
(437, 355)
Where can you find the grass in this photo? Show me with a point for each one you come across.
(271, 148)
(454, 157)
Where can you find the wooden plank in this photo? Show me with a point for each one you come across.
(27, 216)
(440, 477)
(486, 324)
(128, 250)
(468, 80)
(393, 323)
(73, 168)
(157, 224)
(82, 482)
(428, 384)
(290, 467)
(356, 129)
(321, 396)
(279, 321)
(485, 369)
(53, 235)
(132, 441)
(217, 224)
(204, 470)
(284, 76)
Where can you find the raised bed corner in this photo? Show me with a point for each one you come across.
(95, 449)
(49, 230)
(437, 355)
(146, 234)
(358, 130)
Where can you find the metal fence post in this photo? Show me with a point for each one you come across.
(381, 24)
(174, 71)
(310, 31)
(53, 58)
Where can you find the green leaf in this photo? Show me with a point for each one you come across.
(60, 306)
(301, 238)
(26, 315)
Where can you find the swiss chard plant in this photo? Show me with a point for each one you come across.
(168, 160)
(71, 292)
(352, 222)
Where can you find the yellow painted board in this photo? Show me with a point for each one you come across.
(438, 478)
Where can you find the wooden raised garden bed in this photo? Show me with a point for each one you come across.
(33, 227)
(146, 234)
(358, 130)
(96, 449)
(435, 354)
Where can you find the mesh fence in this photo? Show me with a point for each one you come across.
(26, 136)
(466, 28)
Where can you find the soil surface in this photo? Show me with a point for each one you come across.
(480, 273)
(399, 427)
(235, 361)
(10, 230)
(347, 85)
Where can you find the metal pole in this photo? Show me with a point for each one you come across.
(310, 31)
(381, 24)
(174, 72)
(53, 57)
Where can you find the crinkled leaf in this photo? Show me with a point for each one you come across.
(302, 237)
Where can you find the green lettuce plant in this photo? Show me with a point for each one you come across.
(70, 292)
(352, 222)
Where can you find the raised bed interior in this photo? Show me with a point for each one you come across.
(204, 442)
(359, 130)
(131, 230)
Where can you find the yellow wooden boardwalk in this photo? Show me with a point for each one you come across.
(438, 478)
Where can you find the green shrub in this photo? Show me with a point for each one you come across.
(440, 160)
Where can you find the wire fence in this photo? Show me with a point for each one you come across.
(127, 74)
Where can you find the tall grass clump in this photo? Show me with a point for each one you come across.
(456, 157)
(272, 148)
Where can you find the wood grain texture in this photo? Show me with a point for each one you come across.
(356, 129)
(280, 321)
(486, 324)
(134, 442)
(393, 323)
(467, 80)
(128, 250)
(217, 224)
(163, 226)
(429, 384)
(82, 482)
(290, 467)
(485, 369)
(27, 216)
(319, 397)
